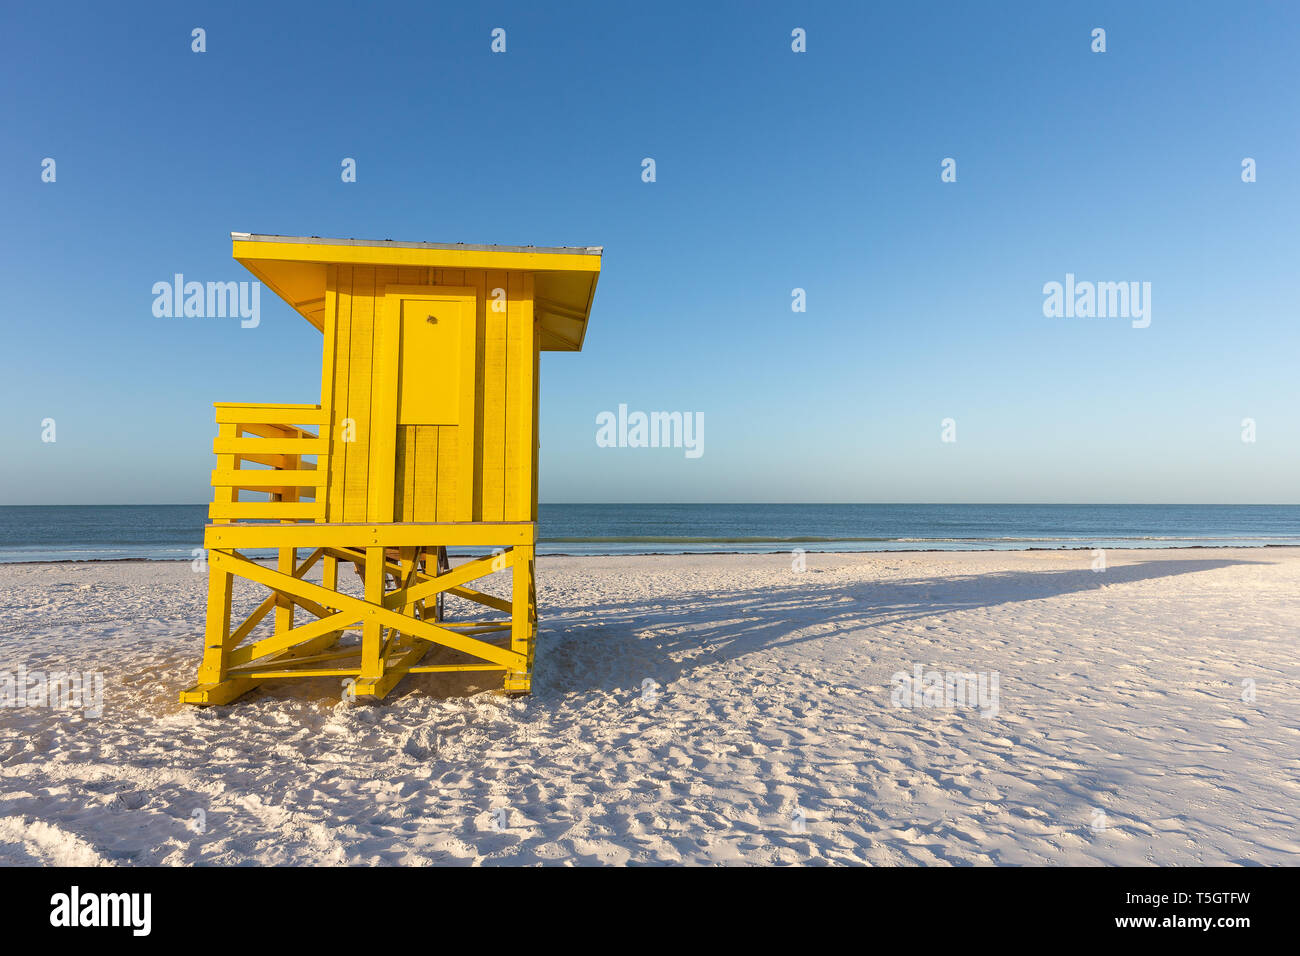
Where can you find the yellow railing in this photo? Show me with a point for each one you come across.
(271, 436)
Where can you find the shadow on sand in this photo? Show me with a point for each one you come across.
(617, 645)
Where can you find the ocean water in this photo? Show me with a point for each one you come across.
(172, 532)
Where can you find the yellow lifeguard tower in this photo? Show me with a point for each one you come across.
(425, 439)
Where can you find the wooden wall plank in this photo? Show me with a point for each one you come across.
(478, 280)
(468, 447)
(359, 391)
(484, 469)
(448, 491)
(424, 479)
(329, 369)
(342, 392)
(536, 413)
(520, 432)
(495, 362)
(403, 468)
(382, 478)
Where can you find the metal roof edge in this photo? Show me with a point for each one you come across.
(396, 244)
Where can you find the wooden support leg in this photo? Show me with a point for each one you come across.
(405, 652)
(213, 686)
(329, 579)
(288, 563)
(532, 615)
(372, 632)
(444, 565)
(216, 633)
(394, 671)
(521, 619)
(226, 671)
(410, 562)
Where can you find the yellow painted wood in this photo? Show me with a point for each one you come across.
(291, 638)
(257, 448)
(225, 691)
(280, 494)
(222, 692)
(521, 619)
(297, 271)
(536, 414)
(411, 593)
(329, 577)
(274, 431)
(360, 392)
(373, 632)
(381, 470)
(303, 672)
(239, 654)
(244, 414)
(469, 449)
(435, 355)
(395, 670)
(329, 375)
(403, 467)
(521, 438)
(226, 432)
(470, 534)
(495, 351)
(431, 324)
(286, 563)
(448, 498)
(216, 647)
(248, 250)
(268, 477)
(341, 432)
(267, 510)
(336, 655)
(425, 438)
(370, 610)
(422, 476)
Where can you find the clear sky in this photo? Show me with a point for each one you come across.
(775, 170)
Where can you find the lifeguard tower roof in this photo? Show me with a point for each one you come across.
(296, 269)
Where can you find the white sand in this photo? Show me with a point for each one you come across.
(1121, 734)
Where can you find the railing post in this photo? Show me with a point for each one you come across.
(225, 495)
(372, 632)
(288, 558)
(216, 633)
(521, 618)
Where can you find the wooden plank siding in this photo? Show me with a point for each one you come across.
(358, 382)
(336, 405)
(438, 473)
(520, 434)
(495, 345)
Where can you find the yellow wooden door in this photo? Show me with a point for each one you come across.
(425, 369)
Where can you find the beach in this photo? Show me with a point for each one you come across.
(701, 709)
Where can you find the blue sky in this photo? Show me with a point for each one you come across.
(775, 170)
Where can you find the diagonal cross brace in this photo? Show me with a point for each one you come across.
(364, 610)
(431, 585)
